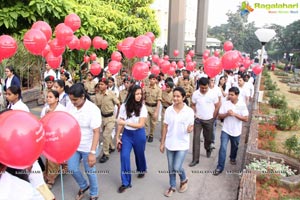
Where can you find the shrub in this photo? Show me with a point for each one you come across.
(291, 144)
(278, 101)
(287, 118)
(267, 167)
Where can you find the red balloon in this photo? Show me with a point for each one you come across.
(205, 55)
(44, 27)
(114, 67)
(93, 56)
(160, 61)
(62, 135)
(155, 70)
(230, 60)
(165, 66)
(97, 42)
(173, 64)
(140, 71)
(212, 66)
(257, 69)
(85, 42)
(64, 34)
(155, 58)
(46, 51)
(228, 46)
(8, 46)
(216, 53)
(247, 62)
(171, 71)
(188, 58)
(192, 53)
(95, 68)
(166, 57)
(53, 61)
(176, 53)
(21, 143)
(103, 44)
(73, 21)
(86, 59)
(74, 43)
(180, 64)
(142, 46)
(35, 41)
(151, 36)
(126, 47)
(117, 56)
(207, 51)
(56, 47)
(190, 66)
(119, 46)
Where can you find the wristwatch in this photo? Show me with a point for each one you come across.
(93, 152)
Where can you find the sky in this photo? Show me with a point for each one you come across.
(219, 8)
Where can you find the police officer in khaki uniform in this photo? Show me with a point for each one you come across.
(89, 86)
(188, 89)
(166, 100)
(127, 82)
(152, 94)
(185, 74)
(49, 80)
(106, 101)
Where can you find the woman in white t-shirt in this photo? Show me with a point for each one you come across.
(88, 116)
(51, 168)
(132, 117)
(178, 123)
(13, 96)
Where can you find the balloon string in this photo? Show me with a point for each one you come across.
(62, 183)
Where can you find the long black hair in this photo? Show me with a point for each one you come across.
(183, 94)
(62, 84)
(77, 90)
(224, 85)
(16, 90)
(131, 105)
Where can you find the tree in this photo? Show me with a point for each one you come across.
(113, 20)
(239, 32)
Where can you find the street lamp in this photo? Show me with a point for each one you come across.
(264, 35)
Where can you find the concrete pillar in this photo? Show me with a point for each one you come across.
(201, 30)
(176, 28)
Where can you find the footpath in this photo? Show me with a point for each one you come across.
(202, 184)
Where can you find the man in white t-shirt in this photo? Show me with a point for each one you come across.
(244, 90)
(205, 104)
(250, 85)
(234, 112)
(218, 92)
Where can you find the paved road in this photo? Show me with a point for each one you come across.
(202, 184)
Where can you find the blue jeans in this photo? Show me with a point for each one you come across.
(73, 167)
(136, 140)
(234, 141)
(175, 160)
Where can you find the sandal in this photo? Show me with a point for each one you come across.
(183, 186)
(93, 198)
(169, 192)
(81, 193)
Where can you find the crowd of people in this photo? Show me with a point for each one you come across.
(119, 113)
